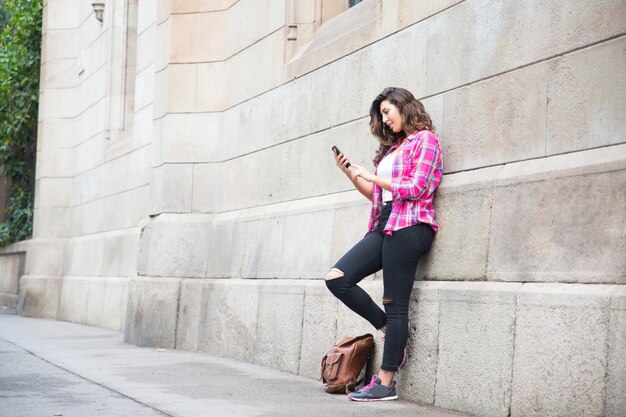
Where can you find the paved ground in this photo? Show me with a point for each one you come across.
(50, 368)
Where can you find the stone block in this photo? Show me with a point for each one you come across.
(39, 296)
(53, 192)
(561, 350)
(232, 319)
(11, 268)
(147, 48)
(45, 257)
(170, 188)
(416, 381)
(146, 15)
(144, 88)
(259, 248)
(501, 132)
(115, 303)
(197, 37)
(278, 340)
(463, 208)
(212, 87)
(126, 172)
(59, 73)
(55, 133)
(75, 302)
(319, 327)
(247, 23)
(198, 6)
(52, 222)
(207, 189)
(120, 253)
(539, 220)
(267, 58)
(192, 313)
(349, 225)
(92, 123)
(84, 256)
(221, 251)
(182, 88)
(161, 95)
(476, 337)
(304, 256)
(60, 43)
(89, 154)
(151, 312)
(175, 246)
(55, 162)
(615, 405)
(192, 137)
(586, 91)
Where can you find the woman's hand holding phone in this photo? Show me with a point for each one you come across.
(342, 161)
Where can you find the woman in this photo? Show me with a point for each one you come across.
(401, 226)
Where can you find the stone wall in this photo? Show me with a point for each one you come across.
(198, 207)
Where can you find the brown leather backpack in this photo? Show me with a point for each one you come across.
(342, 365)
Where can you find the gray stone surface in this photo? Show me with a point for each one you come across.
(476, 335)
(416, 381)
(615, 405)
(279, 326)
(175, 245)
(192, 312)
(543, 230)
(561, 350)
(586, 91)
(503, 133)
(39, 296)
(11, 267)
(152, 312)
(319, 327)
(171, 188)
(233, 317)
(460, 248)
(87, 371)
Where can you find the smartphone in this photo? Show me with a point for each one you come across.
(337, 152)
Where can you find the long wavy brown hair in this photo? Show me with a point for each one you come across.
(414, 118)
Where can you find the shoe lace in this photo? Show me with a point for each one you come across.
(370, 385)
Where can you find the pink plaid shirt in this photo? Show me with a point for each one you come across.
(416, 173)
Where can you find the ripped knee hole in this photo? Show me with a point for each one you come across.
(387, 300)
(334, 273)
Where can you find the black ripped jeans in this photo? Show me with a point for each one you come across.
(397, 255)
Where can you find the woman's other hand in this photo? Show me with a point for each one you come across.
(342, 161)
(359, 171)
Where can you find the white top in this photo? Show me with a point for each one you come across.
(385, 171)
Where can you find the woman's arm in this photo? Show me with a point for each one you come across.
(364, 187)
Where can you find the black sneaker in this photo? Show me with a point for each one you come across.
(375, 391)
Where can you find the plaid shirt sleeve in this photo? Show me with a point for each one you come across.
(415, 181)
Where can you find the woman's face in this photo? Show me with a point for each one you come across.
(391, 116)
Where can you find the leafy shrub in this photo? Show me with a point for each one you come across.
(20, 42)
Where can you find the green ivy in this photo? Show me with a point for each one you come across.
(20, 43)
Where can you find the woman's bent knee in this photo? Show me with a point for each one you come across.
(334, 273)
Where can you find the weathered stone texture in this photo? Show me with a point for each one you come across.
(319, 327)
(615, 404)
(567, 227)
(496, 121)
(586, 91)
(416, 381)
(152, 312)
(560, 362)
(450, 257)
(278, 341)
(476, 334)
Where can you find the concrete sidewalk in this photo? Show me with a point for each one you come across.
(52, 367)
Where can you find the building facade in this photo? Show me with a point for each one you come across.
(186, 192)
